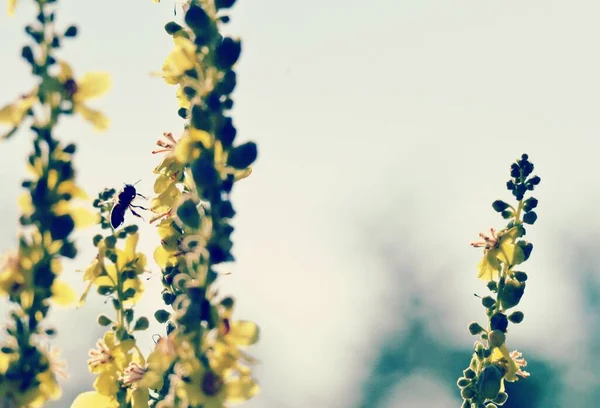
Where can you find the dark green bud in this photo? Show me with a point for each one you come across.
(50, 332)
(501, 398)
(530, 204)
(27, 54)
(113, 257)
(227, 53)
(200, 119)
(499, 205)
(469, 373)
(182, 113)
(243, 155)
(110, 241)
(131, 229)
(61, 226)
(170, 327)
(104, 320)
(530, 217)
(129, 293)
(196, 18)
(188, 214)
(490, 405)
(475, 328)
(488, 302)
(488, 384)
(129, 315)
(520, 276)
(492, 285)
(463, 382)
(511, 293)
(487, 353)
(68, 250)
(498, 321)
(105, 290)
(70, 148)
(71, 31)
(227, 302)
(467, 393)
(172, 27)
(526, 247)
(507, 214)
(141, 324)
(168, 298)
(516, 317)
(222, 4)
(535, 180)
(161, 315)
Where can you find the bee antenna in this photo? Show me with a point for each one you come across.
(137, 182)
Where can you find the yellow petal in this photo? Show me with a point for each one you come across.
(25, 203)
(240, 390)
(92, 85)
(62, 294)
(140, 397)
(92, 399)
(14, 113)
(242, 174)
(12, 5)
(65, 71)
(243, 332)
(182, 98)
(84, 218)
(130, 245)
(96, 118)
(162, 183)
(164, 258)
(489, 267)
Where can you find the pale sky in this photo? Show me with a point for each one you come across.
(377, 122)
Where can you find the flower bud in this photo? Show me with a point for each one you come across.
(475, 328)
(520, 276)
(496, 338)
(469, 373)
(463, 382)
(488, 302)
(498, 321)
(488, 384)
(516, 317)
(501, 398)
(499, 205)
(511, 293)
(530, 217)
(467, 393)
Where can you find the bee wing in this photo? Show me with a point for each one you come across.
(117, 215)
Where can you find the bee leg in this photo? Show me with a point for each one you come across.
(141, 196)
(138, 206)
(136, 214)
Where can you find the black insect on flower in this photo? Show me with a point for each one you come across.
(124, 202)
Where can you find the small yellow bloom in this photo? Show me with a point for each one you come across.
(13, 114)
(512, 362)
(109, 361)
(91, 85)
(93, 399)
(181, 59)
(499, 249)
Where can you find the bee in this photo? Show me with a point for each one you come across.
(124, 202)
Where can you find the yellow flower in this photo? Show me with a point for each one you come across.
(159, 361)
(499, 249)
(166, 254)
(93, 399)
(109, 360)
(13, 114)
(181, 59)
(94, 270)
(182, 98)
(512, 362)
(12, 5)
(91, 85)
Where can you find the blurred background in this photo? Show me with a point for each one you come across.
(385, 131)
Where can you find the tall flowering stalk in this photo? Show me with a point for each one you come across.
(29, 275)
(201, 362)
(115, 273)
(482, 383)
